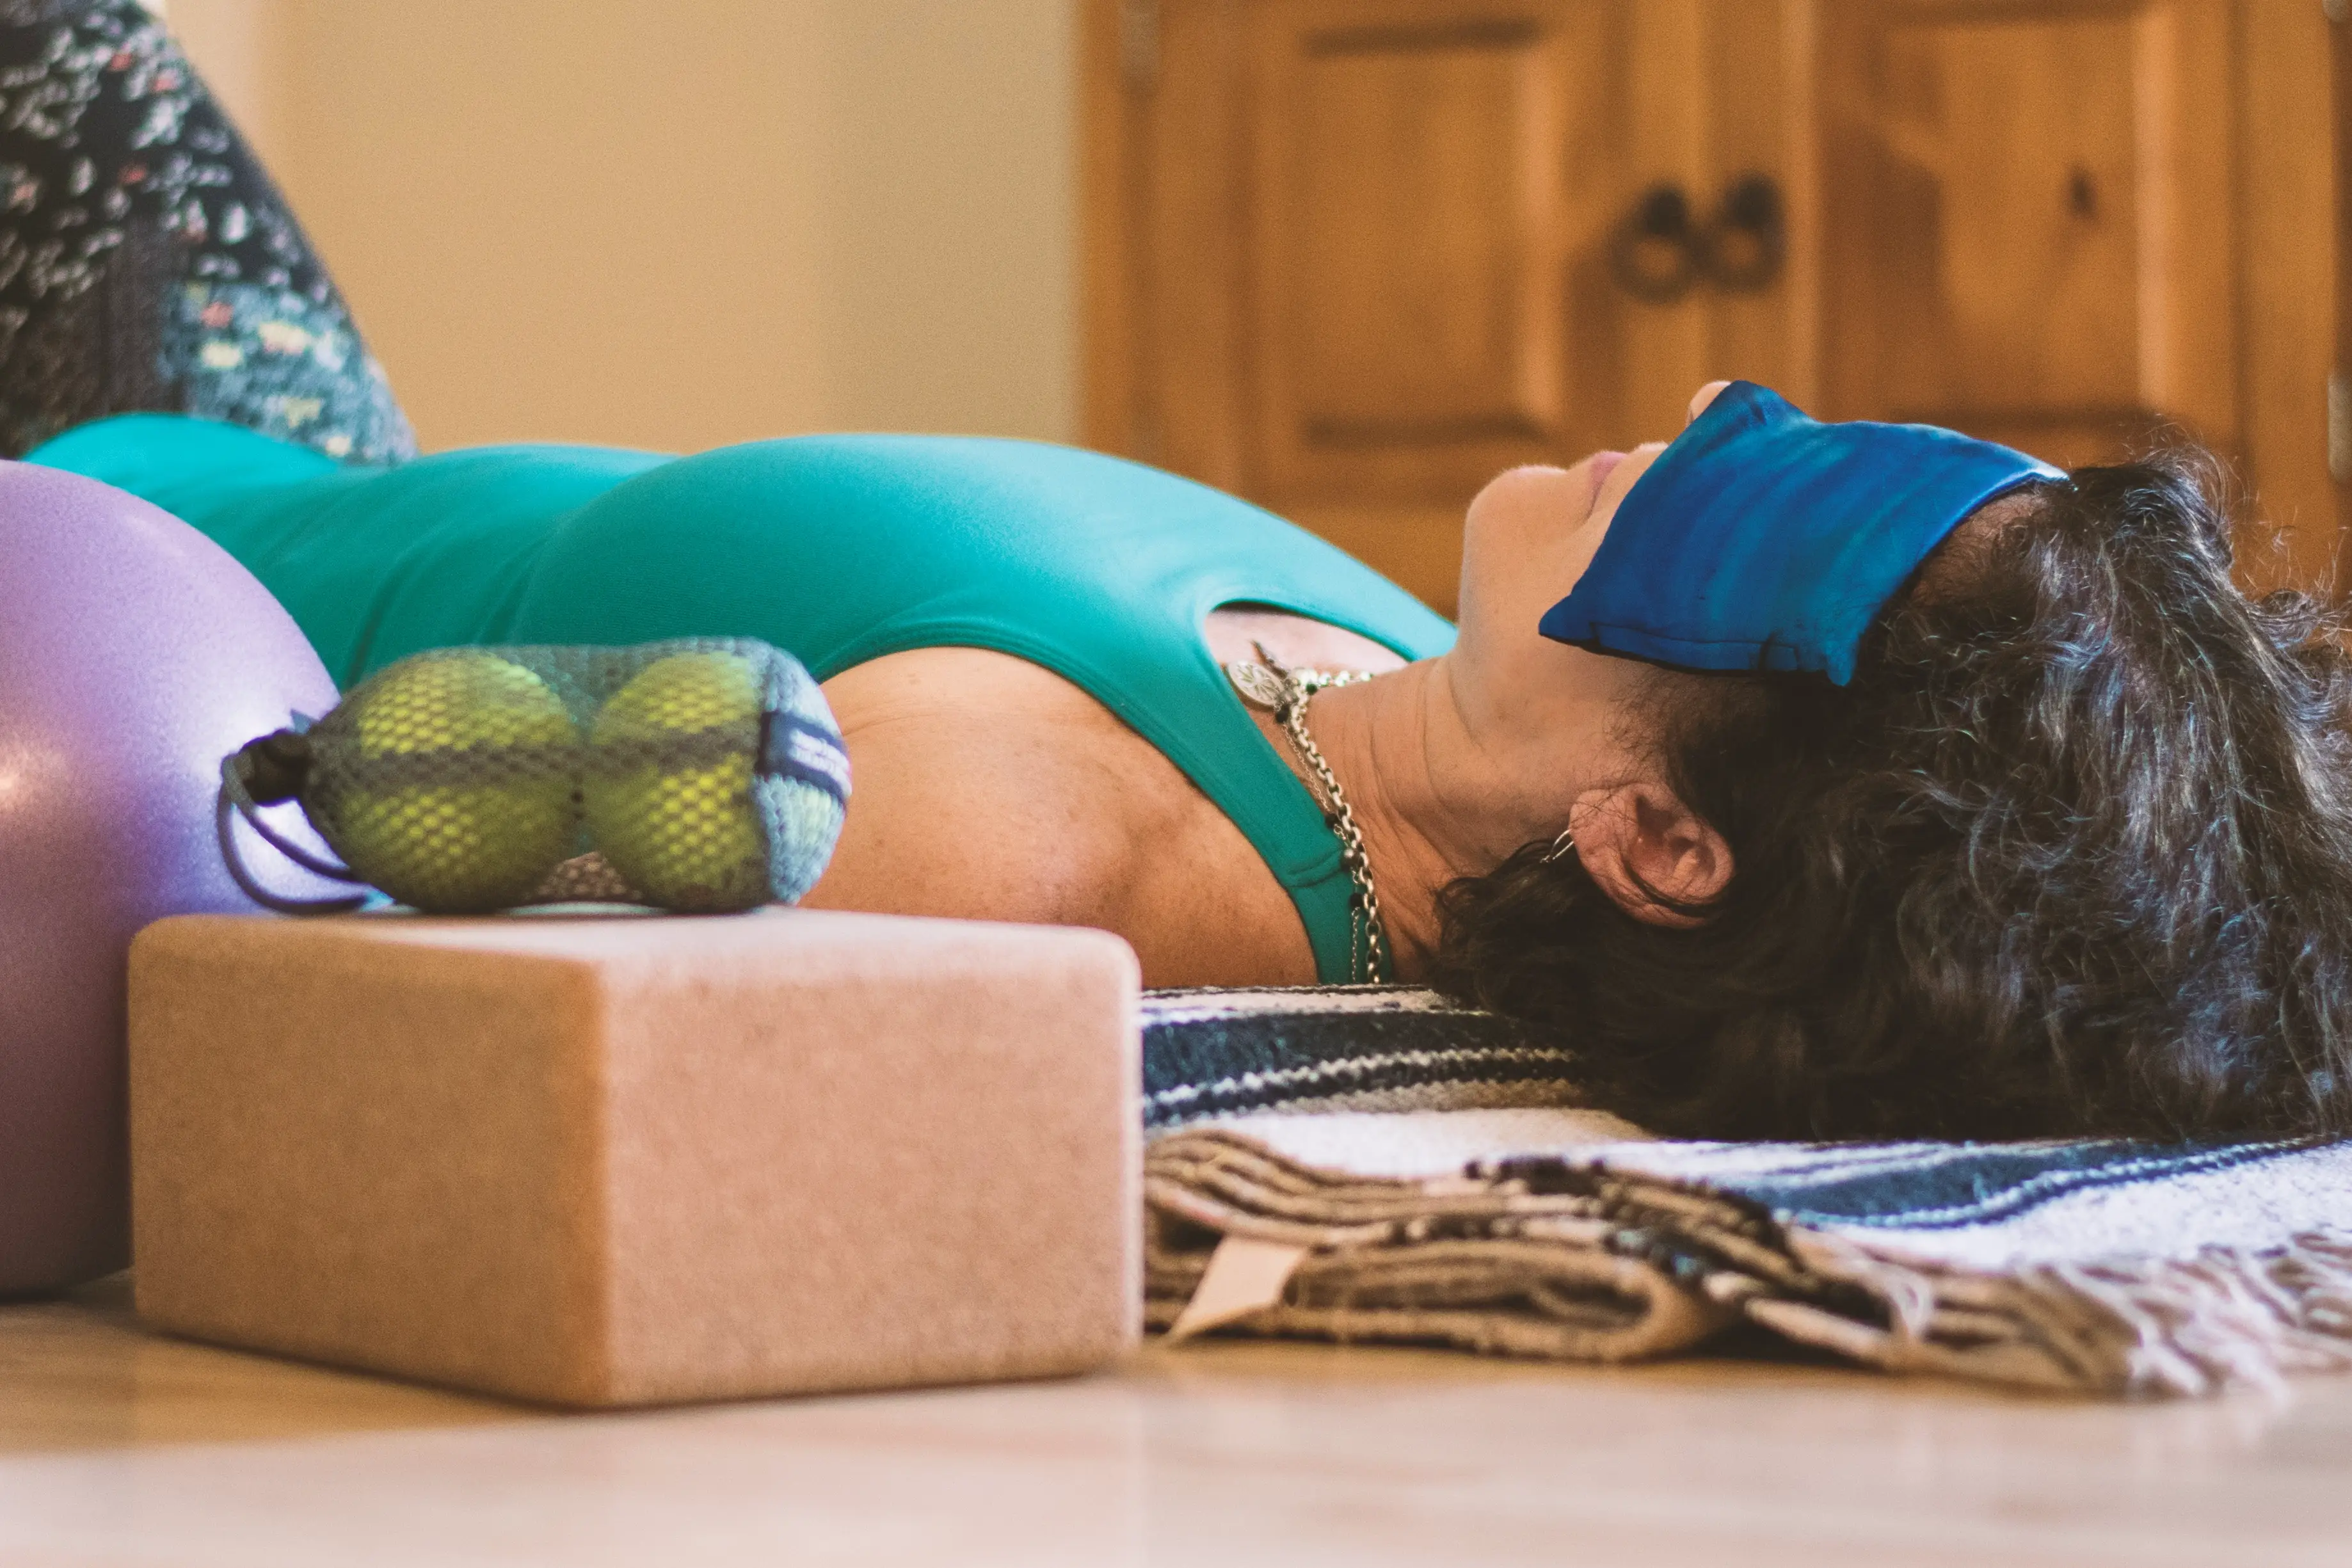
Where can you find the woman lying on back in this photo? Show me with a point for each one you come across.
(1806, 779)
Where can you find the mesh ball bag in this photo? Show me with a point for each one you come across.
(701, 774)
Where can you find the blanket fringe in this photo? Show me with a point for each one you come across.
(1610, 1265)
(2137, 1327)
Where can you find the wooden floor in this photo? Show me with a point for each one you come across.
(117, 1446)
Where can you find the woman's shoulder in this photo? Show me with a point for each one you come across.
(189, 465)
(137, 452)
(989, 788)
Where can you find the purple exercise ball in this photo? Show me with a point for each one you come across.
(134, 653)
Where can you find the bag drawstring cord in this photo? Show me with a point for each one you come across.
(285, 757)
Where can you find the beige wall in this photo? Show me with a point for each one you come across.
(676, 223)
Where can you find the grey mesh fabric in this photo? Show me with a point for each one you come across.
(702, 774)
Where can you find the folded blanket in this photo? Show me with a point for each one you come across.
(1474, 1204)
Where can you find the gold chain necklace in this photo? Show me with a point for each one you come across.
(1285, 692)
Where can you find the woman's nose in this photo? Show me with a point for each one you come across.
(1702, 398)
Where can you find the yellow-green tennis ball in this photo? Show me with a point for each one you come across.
(458, 788)
(668, 791)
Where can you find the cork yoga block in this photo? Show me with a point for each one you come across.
(603, 1161)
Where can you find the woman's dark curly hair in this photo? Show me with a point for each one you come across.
(2071, 853)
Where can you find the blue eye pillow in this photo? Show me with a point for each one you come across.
(1763, 540)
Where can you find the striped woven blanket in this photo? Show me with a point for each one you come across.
(1372, 1163)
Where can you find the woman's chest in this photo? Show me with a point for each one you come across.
(989, 788)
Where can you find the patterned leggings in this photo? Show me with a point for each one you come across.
(147, 261)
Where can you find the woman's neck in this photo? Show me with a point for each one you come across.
(1423, 791)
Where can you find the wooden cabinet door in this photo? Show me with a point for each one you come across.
(2082, 227)
(1365, 266)
(2024, 218)
(1351, 258)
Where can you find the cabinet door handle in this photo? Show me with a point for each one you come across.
(1748, 238)
(1653, 251)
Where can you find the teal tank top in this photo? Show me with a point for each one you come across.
(838, 548)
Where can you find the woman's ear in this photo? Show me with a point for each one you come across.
(1649, 852)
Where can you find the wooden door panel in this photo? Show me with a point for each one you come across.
(2020, 210)
(2012, 142)
(1419, 170)
(1407, 227)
